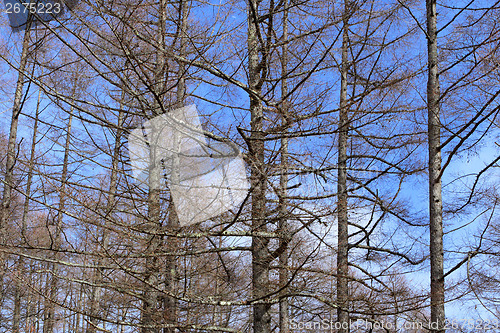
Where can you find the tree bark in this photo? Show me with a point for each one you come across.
(8, 183)
(435, 199)
(260, 253)
(151, 274)
(342, 217)
(284, 318)
(169, 302)
(152, 297)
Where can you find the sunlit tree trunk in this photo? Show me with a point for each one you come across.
(169, 302)
(150, 308)
(260, 253)
(8, 182)
(342, 214)
(435, 199)
(283, 201)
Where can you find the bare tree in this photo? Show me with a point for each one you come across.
(320, 149)
(56, 232)
(283, 228)
(342, 219)
(8, 183)
(435, 198)
(16, 320)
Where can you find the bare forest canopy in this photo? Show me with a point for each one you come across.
(367, 140)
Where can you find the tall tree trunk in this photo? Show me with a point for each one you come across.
(260, 252)
(77, 316)
(8, 183)
(435, 199)
(283, 201)
(49, 313)
(152, 269)
(342, 217)
(18, 288)
(150, 318)
(16, 319)
(96, 296)
(171, 244)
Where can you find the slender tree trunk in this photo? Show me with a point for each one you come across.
(18, 288)
(171, 244)
(77, 316)
(260, 252)
(152, 269)
(33, 302)
(181, 83)
(150, 317)
(8, 183)
(16, 319)
(283, 201)
(151, 274)
(169, 302)
(49, 313)
(342, 219)
(435, 199)
(96, 296)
